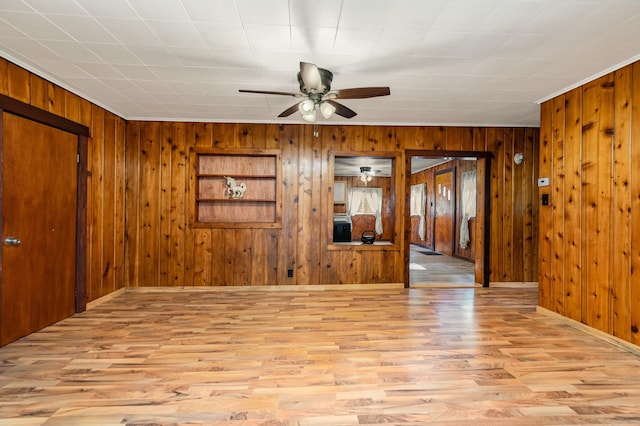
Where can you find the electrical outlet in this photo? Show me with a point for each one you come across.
(290, 273)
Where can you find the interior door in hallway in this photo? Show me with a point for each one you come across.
(39, 202)
(444, 212)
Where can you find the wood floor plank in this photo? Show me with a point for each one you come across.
(416, 356)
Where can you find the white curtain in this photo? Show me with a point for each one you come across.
(366, 201)
(418, 206)
(468, 205)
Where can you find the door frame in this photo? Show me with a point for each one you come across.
(483, 167)
(21, 109)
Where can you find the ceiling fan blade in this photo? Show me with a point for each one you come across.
(269, 92)
(342, 110)
(360, 92)
(287, 112)
(311, 79)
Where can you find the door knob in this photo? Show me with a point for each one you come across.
(12, 241)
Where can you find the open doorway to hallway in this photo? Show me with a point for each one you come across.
(445, 233)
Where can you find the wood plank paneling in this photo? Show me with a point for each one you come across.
(495, 143)
(596, 200)
(482, 167)
(621, 205)
(519, 211)
(150, 170)
(634, 279)
(557, 207)
(546, 223)
(572, 206)
(109, 192)
(15, 81)
(178, 204)
(507, 200)
(95, 201)
(288, 241)
(132, 164)
(600, 250)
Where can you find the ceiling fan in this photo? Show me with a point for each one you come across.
(315, 86)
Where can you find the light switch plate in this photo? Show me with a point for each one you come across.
(543, 182)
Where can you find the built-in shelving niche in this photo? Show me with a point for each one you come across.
(257, 171)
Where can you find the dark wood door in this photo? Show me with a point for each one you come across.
(39, 190)
(445, 212)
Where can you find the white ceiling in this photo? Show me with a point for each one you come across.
(380, 166)
(457, 62)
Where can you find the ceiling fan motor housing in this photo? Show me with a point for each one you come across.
(326, 77)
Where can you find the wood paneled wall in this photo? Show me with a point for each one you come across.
(162, 250)
(138, 233)
(106, 169)
(590, 241)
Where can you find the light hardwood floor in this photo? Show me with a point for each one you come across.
(439, 270)
(317, 357)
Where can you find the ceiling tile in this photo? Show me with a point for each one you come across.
(82, 28)
(314, 40)
(415, 15)
(28, 50)
(464, 15)
(173, 34)
(131, 32)
(100, 71)
(34, 25)
(113, 53)
(72, 52)
(108, 9)
(264, 12)
(511, 16)
(221, 11)
(354, 40)
(166, 10)
(269, 38)
(155, 55)
(57, 7)
(316, 14)
(223, 35)
(365, 14)
(15, 6)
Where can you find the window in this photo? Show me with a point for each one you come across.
(366, 201)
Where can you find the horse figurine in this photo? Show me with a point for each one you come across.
(234, 190)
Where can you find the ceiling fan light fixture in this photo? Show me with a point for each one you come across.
(315, 85)
(366, 174)
(327, 110)
(310, 116)
(306, 106)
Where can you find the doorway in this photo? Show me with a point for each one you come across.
(38, 226)
(451, 236)
(43, 199)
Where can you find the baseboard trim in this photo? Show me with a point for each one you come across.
(274, 288)
(623, 344)
(105, 298)
(514, 284)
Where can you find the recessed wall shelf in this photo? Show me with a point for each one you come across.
(256, 171)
